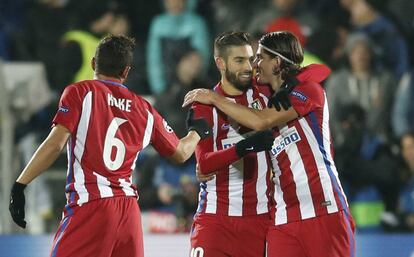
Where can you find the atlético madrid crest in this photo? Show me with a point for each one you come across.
(256, 105)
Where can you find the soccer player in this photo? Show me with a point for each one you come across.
(105, 127)
(233, 212)
(311, 217)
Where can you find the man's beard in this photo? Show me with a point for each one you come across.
(240, 85)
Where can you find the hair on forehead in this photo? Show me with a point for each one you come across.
(228, 39)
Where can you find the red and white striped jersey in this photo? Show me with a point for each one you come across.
(243, 187)
(306, 180)
(109, 127)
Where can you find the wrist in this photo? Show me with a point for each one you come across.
(194, 135)
(18, 187)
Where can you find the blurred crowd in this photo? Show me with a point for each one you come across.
(366, 43)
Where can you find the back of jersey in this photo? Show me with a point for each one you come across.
(110, 126)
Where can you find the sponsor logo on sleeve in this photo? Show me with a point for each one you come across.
(167, 127)
(63, 109)
(283, 141)
(299, 95)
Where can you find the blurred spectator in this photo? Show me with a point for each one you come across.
(402, 13)
(367, 168)
(137, 79)
(177, 190)
(188, 76)
(407, 193)
(39, 38)
(12, 16)
(361, 84)
(389, 45)
(233, 15)
(94, 19)
(264, 19)
(170, 34)
(403, 109)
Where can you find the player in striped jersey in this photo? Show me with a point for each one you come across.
(311, 217)
(233, 212)
(105, 127)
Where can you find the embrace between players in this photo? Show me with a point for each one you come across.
(273, 192)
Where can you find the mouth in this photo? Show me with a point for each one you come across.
(246, 75)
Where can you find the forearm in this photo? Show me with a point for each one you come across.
(248, 117)
(43, 158)
(215, 161)
(186, 147)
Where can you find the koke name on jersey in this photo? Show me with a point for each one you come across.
(121, 103)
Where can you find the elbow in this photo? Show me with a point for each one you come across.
(202, 168)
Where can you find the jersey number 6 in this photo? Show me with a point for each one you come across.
(112, 141)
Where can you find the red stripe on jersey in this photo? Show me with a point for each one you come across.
(288, 186)
(312, 172)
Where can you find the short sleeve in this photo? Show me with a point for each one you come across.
(163, 137)
(307, 97)
(69, 109)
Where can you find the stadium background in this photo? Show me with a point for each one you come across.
(367, 43)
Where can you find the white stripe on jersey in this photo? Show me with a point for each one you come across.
(148, 130)
(265, 99)
(262, 178)
(281, 214)
(147, 137)
(236, 174)
(323, 172)
(126, 187)
(262, 168)
(79, 149)
(327, 145)
(103, 186)
(300, 177)
(211, 185)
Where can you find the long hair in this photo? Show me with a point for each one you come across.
(288, 48)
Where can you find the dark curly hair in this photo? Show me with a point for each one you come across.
(286, 44)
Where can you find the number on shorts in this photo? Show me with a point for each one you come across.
(112, 141)
(197, 252)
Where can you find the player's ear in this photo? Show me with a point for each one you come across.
(221, 65)
(93, 63)
(125, 72)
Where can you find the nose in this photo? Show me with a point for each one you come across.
(248, 66)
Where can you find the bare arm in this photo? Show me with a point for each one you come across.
(45, 155)
(186, 147)
(251, 118)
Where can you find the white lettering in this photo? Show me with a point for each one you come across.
(121, 103)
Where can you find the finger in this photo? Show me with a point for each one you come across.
(189, 99)
(286, 104)
(277, 106)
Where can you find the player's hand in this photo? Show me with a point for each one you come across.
(201, 95)
(198, 125)
(260, 141)
(204, 177)
(17, 202)
(281, 98)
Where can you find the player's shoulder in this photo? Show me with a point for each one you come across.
(308, 90)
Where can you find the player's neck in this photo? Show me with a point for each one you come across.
(229, 88)
(276, 83)
(104, 77)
